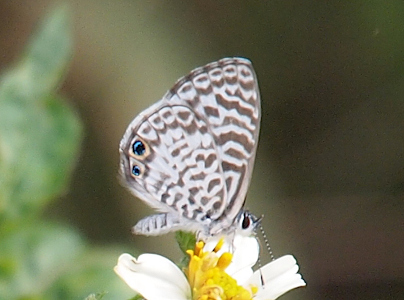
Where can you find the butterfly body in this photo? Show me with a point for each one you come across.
(190, 155)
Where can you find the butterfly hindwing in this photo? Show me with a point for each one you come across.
(179, 170)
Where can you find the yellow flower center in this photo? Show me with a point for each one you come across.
(207, 276)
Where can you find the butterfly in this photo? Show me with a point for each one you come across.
(190, 155)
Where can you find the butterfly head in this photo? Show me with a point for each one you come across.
(246, 223)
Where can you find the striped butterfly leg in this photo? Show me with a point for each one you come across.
(163, 223)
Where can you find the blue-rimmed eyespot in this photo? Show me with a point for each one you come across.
(136, 170)
(138, 148)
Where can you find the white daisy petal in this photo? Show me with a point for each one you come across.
(279, 276)
(244, 258)
(210, 243)
(245, 250)
(153, 276)
(241, 276)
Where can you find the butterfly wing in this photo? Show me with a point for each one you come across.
(225, 94)
(198, 147)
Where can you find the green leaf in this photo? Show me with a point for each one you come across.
(34, 257)
(185, 240)
(40, 133)
(48, 54)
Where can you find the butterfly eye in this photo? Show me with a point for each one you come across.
(246, 221)
(136, 170)
(138, 148)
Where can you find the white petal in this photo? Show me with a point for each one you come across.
(242, 276)
(244, 258)
(279, 276)
(211, 242)
(153, 276)
(245, 250)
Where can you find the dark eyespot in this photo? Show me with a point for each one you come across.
(246, 222)
(138, 148)
(136, 170)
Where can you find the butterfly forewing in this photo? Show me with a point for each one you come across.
(200, 143)
(225, 93)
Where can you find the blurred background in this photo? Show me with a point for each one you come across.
(329, 174)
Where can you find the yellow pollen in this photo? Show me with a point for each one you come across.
(198, 247)
(224, 260)
(254, 289)
(208, 279)
(219, 245)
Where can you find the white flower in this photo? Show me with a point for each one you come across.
(280, 276)
(215, 271)
(153, 276)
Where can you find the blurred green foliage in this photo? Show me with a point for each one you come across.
(40, 136)
(95, 296)
(39, 133)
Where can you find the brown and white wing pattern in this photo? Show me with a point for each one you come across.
(191, 154)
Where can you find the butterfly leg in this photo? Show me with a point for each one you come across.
(163, 223)
(157, 224)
